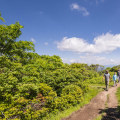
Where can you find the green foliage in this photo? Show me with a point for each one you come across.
(31, 86)
(14, 50)
(45, 90)
(1, 18)
(72, 93)
(8, 35)
(58, 115)
(96, 80)
(118, 97)
(27, 90)
(115, 68)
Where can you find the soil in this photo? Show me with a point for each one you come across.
(105, 102)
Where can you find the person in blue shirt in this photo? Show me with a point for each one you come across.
(115, 78)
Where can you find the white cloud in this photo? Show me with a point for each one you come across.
(91, 59)
(102, 44)
(33, 40)
(77, 7)
(46, 43)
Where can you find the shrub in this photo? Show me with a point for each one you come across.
(46, 90)
(28, 90)
(59, 103)
(72, 93)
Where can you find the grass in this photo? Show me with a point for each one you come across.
(99, 117)
(86, 99)
(118, 97)
(106, 103)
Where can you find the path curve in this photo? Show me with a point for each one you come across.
(98, 103)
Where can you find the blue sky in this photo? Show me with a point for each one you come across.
(85, 31)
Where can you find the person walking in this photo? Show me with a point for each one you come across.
(118, 74)
(114, 79)
(107, 78)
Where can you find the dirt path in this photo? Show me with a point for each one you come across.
(96, 106)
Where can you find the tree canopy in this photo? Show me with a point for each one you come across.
(10, 47)
(1, 18)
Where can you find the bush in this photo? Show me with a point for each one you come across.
(59, 103)
(72, 93)
(96, 80)
(28, 90)
(84, 86)
(46, 90)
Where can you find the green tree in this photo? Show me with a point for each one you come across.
(8, 36)
(10, 47)
(1, 18)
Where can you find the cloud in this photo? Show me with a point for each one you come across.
(46, 43)
(101, 44)
(91, 59)
(75, 6)
(33, 40)
(83, 10)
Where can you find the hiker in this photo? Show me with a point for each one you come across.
(106, 77)
(115, 78)
(118, 74)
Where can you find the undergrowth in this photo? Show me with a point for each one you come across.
(86, 99)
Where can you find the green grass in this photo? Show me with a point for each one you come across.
(99, 117)
(86, 99)
(118, 97)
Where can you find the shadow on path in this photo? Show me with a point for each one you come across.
(111, 114)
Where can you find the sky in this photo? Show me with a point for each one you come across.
(82, 31)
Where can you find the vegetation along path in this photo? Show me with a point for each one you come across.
(105, 99)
